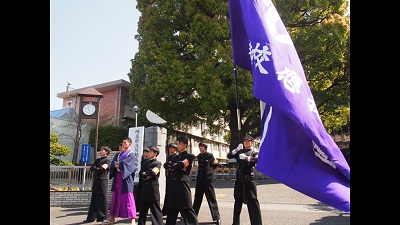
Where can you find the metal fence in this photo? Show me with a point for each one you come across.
(70, 177)
(80, 177)
(225, 173)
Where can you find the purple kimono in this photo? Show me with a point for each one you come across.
(122, 199)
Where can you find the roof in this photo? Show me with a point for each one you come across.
(98, 88)
(90, 91)
(62, 113)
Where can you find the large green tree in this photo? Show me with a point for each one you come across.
(183, 70)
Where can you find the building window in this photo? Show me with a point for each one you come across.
(69, 104)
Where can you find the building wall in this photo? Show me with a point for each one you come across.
(108, 107)
(113, 104)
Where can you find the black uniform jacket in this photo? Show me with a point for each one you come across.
(100, 175)
(244, 166)
(171, 159)
(206, 167)
(179, 195)
(142, 162)
(149, 180)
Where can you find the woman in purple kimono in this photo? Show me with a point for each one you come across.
(122, 199)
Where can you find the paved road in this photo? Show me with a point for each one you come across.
(280, 205)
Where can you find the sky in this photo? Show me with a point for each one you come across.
(91, 42)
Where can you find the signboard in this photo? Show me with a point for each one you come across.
(85, 155)
(137, 136)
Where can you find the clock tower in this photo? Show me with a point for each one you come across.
(88, 108)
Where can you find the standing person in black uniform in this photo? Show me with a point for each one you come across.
(171, 159)
(150, 194)
(138, 192)
(98, 203)
(204, 182)
(245, 190)
(180, 196)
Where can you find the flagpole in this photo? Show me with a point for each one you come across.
(244, 192)
(237, 101)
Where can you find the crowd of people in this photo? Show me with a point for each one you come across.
(178, 196)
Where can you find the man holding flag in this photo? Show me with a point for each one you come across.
(295, 147)
(245, 190)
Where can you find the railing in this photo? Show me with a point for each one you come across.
(70, 177)
(80, 177)
(225, 173)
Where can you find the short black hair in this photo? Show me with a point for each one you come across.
(128, 139)
(248, 137)
(203, 144)
(146, 150)
(172, 145)
(155, 149)
(182, 139)
(108, 149)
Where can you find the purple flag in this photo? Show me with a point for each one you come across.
(295, 146)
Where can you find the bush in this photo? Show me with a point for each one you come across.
(57, 150)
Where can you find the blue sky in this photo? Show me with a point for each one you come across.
(91, 42)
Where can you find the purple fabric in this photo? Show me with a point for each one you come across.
(295, 146)
(127, 167)
(122, 204)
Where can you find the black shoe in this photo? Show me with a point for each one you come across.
(88, 221)
(218, 222)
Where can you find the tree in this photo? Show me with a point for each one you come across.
(108, 135)
(57, 150)
(183, 70)
(321, 34)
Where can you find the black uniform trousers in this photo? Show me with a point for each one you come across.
(164, 209)
(180, 196)
(188, 216)
(137, 192)
(98, 207)
(206, 187)
(253, 206)
(156, 215)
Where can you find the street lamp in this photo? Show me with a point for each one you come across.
(136, 109)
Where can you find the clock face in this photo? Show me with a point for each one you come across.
(89, 109)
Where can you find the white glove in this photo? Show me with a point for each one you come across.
(242, 156)
(239, 147)
(248, 158)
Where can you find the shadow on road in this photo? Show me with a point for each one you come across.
(340, 219)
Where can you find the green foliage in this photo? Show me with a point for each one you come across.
(183, 69)
(108, 136)
(321, 33)
(57, 150)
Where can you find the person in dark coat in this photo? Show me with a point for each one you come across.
(138, 187)
(150, 193)
(171, 159)
(98, 203)
(180, 196)
(204, 182)
(245, 190)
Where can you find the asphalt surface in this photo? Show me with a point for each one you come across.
(280, 205)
